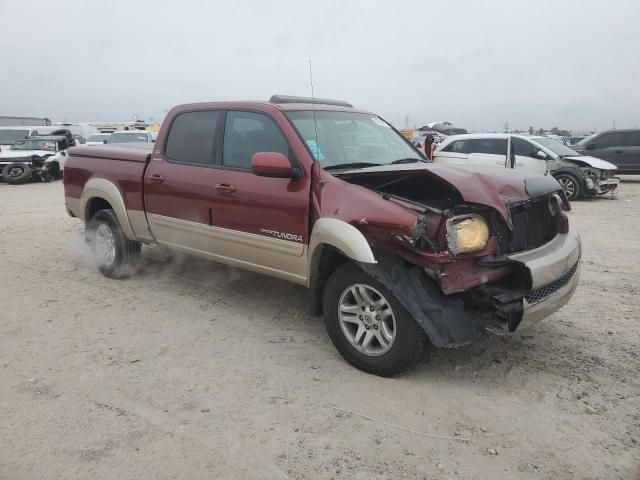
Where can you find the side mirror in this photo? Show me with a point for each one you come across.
(272, 164)
(104, 141)
(540, 154)
(591, 146)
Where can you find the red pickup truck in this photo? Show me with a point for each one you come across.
(398, 253)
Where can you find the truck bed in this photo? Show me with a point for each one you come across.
(132, 152)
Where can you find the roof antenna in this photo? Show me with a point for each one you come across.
(316, 149)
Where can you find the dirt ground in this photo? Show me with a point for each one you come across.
(192, 370)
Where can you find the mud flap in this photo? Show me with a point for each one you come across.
(444, 319)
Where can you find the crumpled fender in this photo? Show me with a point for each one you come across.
(443, 318)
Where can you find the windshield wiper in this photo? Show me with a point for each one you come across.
(406, 160)
(352, 165)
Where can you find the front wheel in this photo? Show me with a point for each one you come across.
(115, 255)
(367, 324)
(16, 173)
(570, 184)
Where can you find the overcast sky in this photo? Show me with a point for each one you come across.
(572, 64)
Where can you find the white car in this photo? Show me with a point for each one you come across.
(97, 139)
(132, 136)
(34, 158)
(9, 135)
(578, 174)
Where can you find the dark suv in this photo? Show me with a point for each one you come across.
(620, 147)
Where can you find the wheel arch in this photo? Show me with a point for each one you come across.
(101, 190)
(332, 243)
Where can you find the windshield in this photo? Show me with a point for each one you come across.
(584, 141)
(556, 147)
(345, 138)
(98, 138)
(127, 137)
(34, 145)
(7, 137)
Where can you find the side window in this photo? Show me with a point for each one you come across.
(523, 148)
(191, 138)
(632, 139)
(459, 146)
(608, 140)
(492, 146)
(247, 133)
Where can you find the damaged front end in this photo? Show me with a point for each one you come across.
(480, 256)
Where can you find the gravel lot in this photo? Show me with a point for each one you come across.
(193, 370)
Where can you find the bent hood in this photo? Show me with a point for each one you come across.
(593, 162)
(24, 153)
(500, 189)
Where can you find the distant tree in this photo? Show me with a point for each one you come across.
(560, 132)
(540, 131)
(516, 131)
(530, 130)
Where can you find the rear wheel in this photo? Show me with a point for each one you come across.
(16, 173)
(570, 184)
(115, 255)
(367, 324)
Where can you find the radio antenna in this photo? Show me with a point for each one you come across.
(316, 152)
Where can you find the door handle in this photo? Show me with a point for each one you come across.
(156, 178)
(617, 151)
(501, 163)
(225, 187)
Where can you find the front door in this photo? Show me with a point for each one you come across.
(608, 146)
(526, 156)
(262, 222)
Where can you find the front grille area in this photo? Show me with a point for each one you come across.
(533, 225)
(541, 293)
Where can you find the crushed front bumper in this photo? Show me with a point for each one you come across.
(555, 271)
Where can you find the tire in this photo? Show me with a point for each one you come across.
(570, 184)
(53, 171)
(16, 173)
(405, 342)
(115, 255)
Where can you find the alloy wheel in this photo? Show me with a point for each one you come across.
(367, 319)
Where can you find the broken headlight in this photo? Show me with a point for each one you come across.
(467, 233)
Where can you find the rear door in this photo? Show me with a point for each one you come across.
(262, 223)
(456, 153)
(526, 158)
(179, 183)
(489, 152)
(631, 160)
(608, 146)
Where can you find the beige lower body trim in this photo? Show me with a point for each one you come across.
(139, 225)
(73, 204)
(270, 256)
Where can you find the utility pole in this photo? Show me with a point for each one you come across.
(406, 121)
(614, 125)
(506, 127)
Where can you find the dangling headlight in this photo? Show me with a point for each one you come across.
(467, 233)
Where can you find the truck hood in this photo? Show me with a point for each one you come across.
(6, 153)
(500, 189)
(593, 162)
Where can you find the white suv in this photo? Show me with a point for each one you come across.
(578, 174)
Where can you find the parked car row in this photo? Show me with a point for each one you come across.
(577, 174)
(26, 155)
(122, 136)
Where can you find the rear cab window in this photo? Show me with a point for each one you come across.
(489, 146)
(191, 139)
